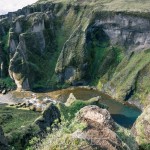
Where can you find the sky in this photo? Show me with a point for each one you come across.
(13, 5)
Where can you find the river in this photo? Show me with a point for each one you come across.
(124, 115)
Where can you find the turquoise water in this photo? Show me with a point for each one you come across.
(122, 114)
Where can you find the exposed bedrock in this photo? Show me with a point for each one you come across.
(131, 32)
(101, 130)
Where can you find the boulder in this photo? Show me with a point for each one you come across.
(4, 91)
(70, 99)
(97, 115)
(100, 131)
(48, 116)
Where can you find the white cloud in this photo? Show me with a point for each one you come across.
(13, 5)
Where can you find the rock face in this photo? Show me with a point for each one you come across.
(28, 40)
(128, 31)
(141, 129)
(48, 117)
(70, 99)
(100, 129)
(49, 44)
(3, 142)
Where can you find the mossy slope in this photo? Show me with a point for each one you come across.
(101, 43)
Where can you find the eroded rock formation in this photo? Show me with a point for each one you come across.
(49, 115)
(101, 129)
(50, 44)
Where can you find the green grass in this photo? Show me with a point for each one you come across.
(8, 82)
(140, 129)
(5, 41)
(60, 138)
(111, 5)
(126, 136)
(12, 119)
(144, 147)
(69, 112)
(60, 133)
(18, 126)
(104, 62)
(99, 54)
(132, 72)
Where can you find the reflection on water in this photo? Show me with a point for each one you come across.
(122, 114)
(123, 120)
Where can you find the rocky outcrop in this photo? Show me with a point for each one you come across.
(141, 129)
(100, 131)
(128, 31)
(35, 104)
(72, 61)
(70, 99)
(3, 142)
(28, 39)
(49, 115)
(4, 28)
(96, 115)
(19, 73)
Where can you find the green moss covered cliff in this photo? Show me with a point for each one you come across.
(104, 43)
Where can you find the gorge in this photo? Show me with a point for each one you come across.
(104, 44)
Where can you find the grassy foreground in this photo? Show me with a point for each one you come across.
(12, 119)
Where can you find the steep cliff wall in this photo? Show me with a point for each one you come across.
(123, 66)
(141, 129)
(53, 43)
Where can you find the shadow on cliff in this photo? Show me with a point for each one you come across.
(123, 120)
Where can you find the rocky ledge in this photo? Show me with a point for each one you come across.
(100, 130)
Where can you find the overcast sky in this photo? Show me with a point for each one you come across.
(13, 5)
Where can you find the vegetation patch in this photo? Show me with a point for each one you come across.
(13, 118)
(60, 134)
(7, 83)
(131, 74)
(68, 112)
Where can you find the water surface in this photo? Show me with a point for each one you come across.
(123, 114)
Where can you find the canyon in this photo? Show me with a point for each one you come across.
(101, 43)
